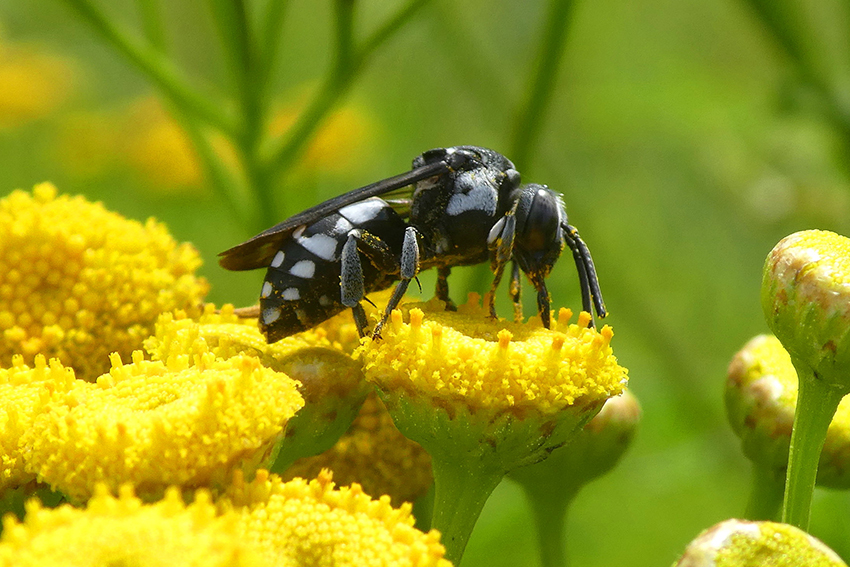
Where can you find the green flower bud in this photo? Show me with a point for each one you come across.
(806, 301)
(738, 543)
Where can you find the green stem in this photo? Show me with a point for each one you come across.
(282, 156)
(816, 405)
(156, 66)
(149, 11)
(549, 505)
(461, 489)
(530, 118)
(766, 494)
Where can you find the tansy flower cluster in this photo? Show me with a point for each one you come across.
(311, 523)
(463, 358)
(80, 282)
(154, 425)
(124, 531)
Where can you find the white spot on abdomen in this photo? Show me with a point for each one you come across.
(278, 259)
(364, 211)
(266, 291)
(303, 269)
(321, 245)
(271, 315)
(291, 294)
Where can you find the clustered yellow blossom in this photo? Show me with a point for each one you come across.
(331, 383)
(761, 397)
(374, 454)
(124, 531)
(21, 390)
(80, 282)
(311, 523)
(154, 424)
(464, 358)
(739, 543)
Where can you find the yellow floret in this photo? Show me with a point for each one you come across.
(124, 531)
(466, 358)
(374, 454)
(81, 282)
(152, 425)
(302, 523)
(21, 389)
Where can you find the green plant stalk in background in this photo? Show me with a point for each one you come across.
(250, 46)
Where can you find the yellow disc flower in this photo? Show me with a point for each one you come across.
(484, 397)
(80, 282)
(331, 383)
(125, 531)
(153, 424)
(374, 454)
(738, 543)
(300, 523)
(21, 389)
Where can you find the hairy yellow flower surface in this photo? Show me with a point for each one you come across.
(761, 397)
(35, 83)
(153, 424)
(739, 543)
(21, 388)
(330, 381)
(80, 282)
(374, 454)
(300, 523)
(124, 531)
(466, 358)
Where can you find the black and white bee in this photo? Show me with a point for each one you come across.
(456, 207)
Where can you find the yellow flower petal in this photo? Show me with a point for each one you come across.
(311, 523)
(464, 358)
(81, 282)
(124, 531)
(21, 389)
(153, 425)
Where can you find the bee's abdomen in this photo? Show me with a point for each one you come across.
(302, 284)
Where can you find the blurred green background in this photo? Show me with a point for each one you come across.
(687, 137)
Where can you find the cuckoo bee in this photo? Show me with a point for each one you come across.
(457, 206)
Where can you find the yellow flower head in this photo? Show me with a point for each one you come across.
(739, 543)
(153, 424)
(124, 531)
(300, 523)
(374, 454)
(331, 383)
(34, 84)
(21, 389)
(80, 282)
(761, 397)
(465, 359)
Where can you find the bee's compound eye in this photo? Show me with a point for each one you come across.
(539, 216)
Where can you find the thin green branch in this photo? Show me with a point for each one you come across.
(284, 153)
(155, 66)
(154, 31)
(542, 83)
(269, 41)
